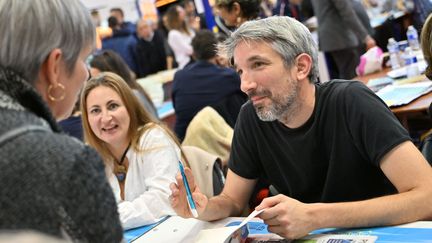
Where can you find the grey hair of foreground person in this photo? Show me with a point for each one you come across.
(31, 29)
(288, 37)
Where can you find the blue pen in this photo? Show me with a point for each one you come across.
(189, 198)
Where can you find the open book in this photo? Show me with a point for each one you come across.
(231, 234)
(256, 232)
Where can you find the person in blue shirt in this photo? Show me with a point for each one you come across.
(125, 28)
(203, 83)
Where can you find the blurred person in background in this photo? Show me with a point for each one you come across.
(342, 34)
(147, 50)
(180, 35)
(203, 83)
(236, 12)
(125, 27)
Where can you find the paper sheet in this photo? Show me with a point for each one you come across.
(222, 234)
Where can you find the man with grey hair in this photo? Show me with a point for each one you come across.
(334, 151)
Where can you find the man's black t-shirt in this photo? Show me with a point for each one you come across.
(333, 157)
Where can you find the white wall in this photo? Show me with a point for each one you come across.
(104, 6)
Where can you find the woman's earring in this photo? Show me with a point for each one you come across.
(239, 20)
(62, 89)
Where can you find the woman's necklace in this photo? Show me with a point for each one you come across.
(120, 170)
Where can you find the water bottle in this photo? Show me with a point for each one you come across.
(412, 68)
(393, 49)
(412, 37)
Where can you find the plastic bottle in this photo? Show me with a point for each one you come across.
(412, 37)
(393, 49)
(412, 68)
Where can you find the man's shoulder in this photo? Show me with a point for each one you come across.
(198, 68)
(341, 86)
(229, 71)
(182, 74)
(223, 74)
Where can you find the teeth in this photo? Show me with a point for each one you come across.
(110, 128)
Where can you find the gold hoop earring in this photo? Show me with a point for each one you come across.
(239, 20)
(63, 91)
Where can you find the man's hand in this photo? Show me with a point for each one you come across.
(178, 196)
(286, 217)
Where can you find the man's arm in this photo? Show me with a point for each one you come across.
(404, 166)
(230, 202)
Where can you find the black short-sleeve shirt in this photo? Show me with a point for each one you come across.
(333, 157)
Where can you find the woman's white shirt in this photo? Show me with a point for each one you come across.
(180, 43)
(148, 178)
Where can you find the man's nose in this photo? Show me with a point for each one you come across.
(247, 82)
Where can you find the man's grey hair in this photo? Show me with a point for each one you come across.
(288, 37)
(31, 29)
(148, 22)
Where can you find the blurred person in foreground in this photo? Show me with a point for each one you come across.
(51, 182)
(426, 45)
(324, 157)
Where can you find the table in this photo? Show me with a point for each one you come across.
(418, 107)
(159, 86)
(177, 229)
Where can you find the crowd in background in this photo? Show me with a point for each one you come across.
(126, 183)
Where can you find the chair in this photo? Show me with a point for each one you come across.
(209, 131)
(206, 169)
(229, 107)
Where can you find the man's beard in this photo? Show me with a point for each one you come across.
(281, 107)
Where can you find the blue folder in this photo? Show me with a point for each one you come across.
(389, 234)
(165, 109)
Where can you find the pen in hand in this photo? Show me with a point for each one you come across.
(189, 198)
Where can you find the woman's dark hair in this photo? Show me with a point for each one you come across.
(173, 21)
(250, 9)
(109, 61)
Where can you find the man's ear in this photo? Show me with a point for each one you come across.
(304, 66)
(51, 67)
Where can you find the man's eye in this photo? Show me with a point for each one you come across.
(257, 64)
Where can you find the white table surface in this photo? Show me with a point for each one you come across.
(176, 229)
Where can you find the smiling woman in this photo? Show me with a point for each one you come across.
(140, 154)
